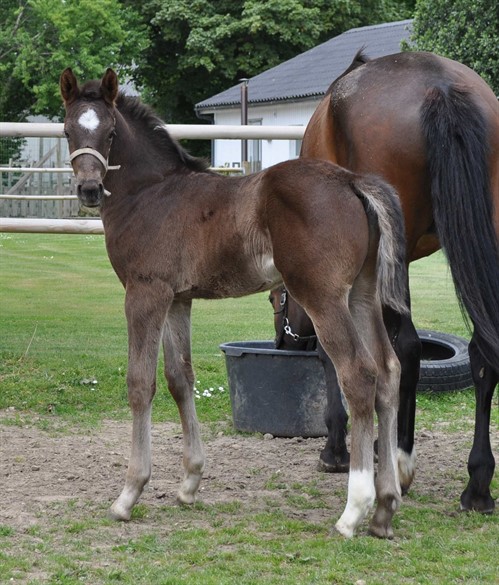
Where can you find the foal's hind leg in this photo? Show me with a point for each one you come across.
(180, 378)
(388, 492)
(357, 373)
(407, 345)
(366, 313)
(145, 306)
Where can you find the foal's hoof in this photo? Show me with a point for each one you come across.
(381, 531)
(185, 499)
(346, 530)
(336, 465)
(119, 514)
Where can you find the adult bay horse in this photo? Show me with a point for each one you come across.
(175, 231)
(430, 127)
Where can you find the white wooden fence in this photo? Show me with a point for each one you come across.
(178, 131)
(94, 226)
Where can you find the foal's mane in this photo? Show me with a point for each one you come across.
(133, 109)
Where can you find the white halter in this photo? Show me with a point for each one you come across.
(97, 155)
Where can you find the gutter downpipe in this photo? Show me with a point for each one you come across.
(244, 122)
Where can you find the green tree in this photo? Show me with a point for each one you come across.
(464, 30)
(39, 38)
(201, 47)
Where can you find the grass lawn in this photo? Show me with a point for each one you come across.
(62, 368)
(63, 332)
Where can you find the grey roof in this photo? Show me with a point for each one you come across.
(311, 73)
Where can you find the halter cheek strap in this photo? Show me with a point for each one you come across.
(97, 155)
(286, 326)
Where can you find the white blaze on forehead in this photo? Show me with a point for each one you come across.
(89, 120)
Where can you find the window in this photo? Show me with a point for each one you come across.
(255, 149)
(294, 148)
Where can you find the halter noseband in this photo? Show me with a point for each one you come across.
(97, 155)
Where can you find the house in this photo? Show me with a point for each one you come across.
(289, 93)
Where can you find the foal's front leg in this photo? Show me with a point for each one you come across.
(146, 306)
(180, 377)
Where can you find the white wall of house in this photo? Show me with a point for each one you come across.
(270, 152)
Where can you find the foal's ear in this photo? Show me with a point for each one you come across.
(109, 86)
(69, 86)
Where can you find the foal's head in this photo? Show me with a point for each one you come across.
(89, 126)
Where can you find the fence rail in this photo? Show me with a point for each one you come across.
(35, 169)
(94, 226)
(179, 131)
(39, 197)
(51, 226)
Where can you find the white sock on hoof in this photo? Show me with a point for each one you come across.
(407, 467)
(361, 495)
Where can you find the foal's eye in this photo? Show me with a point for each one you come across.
(112, 134)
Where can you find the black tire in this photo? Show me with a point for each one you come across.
(445, 363)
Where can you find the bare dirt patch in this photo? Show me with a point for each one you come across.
(40, 469)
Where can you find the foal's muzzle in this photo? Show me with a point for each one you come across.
(90, 193)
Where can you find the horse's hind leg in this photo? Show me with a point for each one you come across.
(481, 462)
(145, 306)
(180, 377)
(334, 458)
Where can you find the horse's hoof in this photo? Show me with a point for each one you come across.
(338, 466)
(483, 504)
(407, 469)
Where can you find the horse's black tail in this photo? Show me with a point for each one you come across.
(382, 205)
(458, 152)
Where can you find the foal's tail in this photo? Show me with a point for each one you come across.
(458, 153)
(383, 208)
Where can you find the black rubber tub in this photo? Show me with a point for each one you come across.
(275, 391)
(284, 392)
